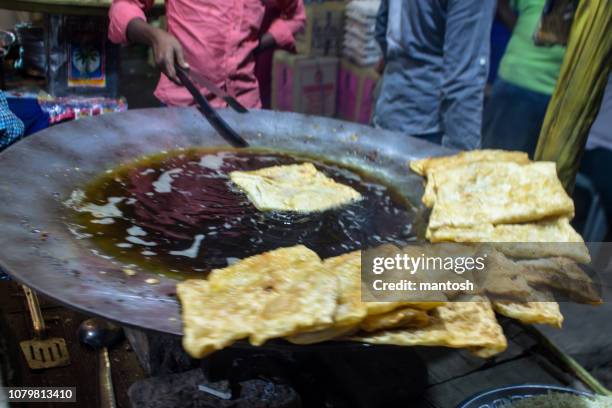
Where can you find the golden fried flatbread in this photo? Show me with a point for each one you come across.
(429, 195)
(209, 323)
(497, 193)
(295, 187)
(457, 324)
(531, 312)
(347, 268)
(417, 300)
(550, 237)
(350, 310)
(528, 279)
(275, 294)
(430, 164)
(502, 278)
(561, 274)
(406, 317)
(427, 166)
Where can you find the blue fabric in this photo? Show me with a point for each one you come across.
(30, 113)
(19, 117)
(437, 58)
(597, 166)
(11, 128)
(513, 117)
(380, 29)
(500, 36)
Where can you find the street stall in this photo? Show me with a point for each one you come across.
(45, 248)
(260, 258)
(65, 62)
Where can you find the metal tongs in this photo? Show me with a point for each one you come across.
(211, 115)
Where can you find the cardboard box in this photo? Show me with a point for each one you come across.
(304, 84)
(324, 29)
(356, 92)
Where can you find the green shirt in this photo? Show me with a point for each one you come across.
(525, 64)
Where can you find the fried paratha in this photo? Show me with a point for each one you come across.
(497, 193)
(531, 312)
(295, 187)
(546, 238)
(457, 324)
(405, 317)
(563, 275)
(275, 294)
(350, 310)
(425, 166)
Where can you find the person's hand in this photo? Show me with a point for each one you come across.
(266, 41)
(167, 51)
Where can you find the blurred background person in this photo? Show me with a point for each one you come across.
(11, 127)
(597, 158)
(18, 116)
(527, 76)
(436, 65)
(219, 40)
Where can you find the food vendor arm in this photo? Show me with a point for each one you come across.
(283, 29)
(128, 23)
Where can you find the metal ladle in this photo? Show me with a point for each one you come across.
(100, 334)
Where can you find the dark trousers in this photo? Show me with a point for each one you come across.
(597, 166)
(513, 117)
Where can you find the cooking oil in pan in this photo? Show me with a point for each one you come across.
(179, 214)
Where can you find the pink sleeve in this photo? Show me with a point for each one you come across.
(290, 22)
(121, 13)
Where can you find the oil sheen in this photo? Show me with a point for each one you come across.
(179, 214)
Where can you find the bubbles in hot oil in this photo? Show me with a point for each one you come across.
(97, 253)
(77, 231)
(103, 221)
(164, 183)
(136, 231)
(231, 260)
(213, 161)
(139, 241)
(107, 210)
(193, 250)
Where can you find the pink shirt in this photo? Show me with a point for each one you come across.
(218, 38)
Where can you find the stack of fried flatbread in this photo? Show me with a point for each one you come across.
(518, 206)
(290, 293)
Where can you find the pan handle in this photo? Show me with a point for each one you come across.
(38, 320)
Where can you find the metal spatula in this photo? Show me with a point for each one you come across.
(42, 352)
